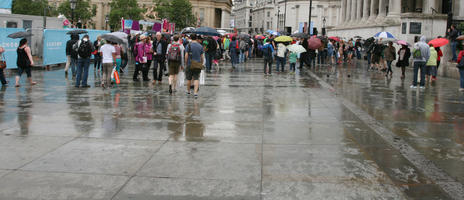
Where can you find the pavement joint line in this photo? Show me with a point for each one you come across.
(449, 185)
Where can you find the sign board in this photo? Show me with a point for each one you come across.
(415, 27)
(9, 45)
(6, 4)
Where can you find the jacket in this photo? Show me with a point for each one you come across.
(424, 50)
(390, 53)
(433, 57)
(405, 61)
(281, 50)
(143, 49)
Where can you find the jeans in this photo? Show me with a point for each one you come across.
(369, 57)
(419, 66)
(82, 71)
(358, 54)
(97, 62)
(242, 56)
(72, 64)
(292, 66)
(233, 58)
(209, 60)
(453, 49)
(158, 68)
(389, 64)
(268, 63)
(321, 56)
(2, 77)
(250, 52)
(311, 61)
(461, 73)
(280, 61)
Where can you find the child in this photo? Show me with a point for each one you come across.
(293, 59)
(431, 66)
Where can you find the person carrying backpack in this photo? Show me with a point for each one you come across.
(175, 62)
(268, 51)
(84, 50)
(159, 52)
(71, 56)
(234, 50)
(421, 54)
(211, 47)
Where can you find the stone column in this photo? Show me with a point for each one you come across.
(348, 11)
(382, 11)
(359, 6)
(418, 6)
(343, 11)
(394, 8)
(428, 5)
(353, 11)
(374, 6)
(366, 7)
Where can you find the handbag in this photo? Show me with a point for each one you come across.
(3, 62)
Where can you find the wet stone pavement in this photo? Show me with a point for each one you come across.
(248, 136)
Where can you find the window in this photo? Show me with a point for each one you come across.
(268, 27)
(11, 24)
(268, 14)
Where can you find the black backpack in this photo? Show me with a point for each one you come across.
(85, 49)
(267, 51)
(73, 53)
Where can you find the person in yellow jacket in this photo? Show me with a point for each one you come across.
(431, 66)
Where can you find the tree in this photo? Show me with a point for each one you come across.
(176, 11)
(84, 10)
(127, 9)
(33, 7)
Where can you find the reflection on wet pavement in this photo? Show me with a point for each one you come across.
(247, 136)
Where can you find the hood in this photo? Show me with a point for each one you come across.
(423, 38)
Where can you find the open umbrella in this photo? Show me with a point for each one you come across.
(112, 38)
(188, 30)
(296, 48)
(21, 34)
(314, 43)
(76, 32)
(402, 42)
(260, 37)
(439, 42)
(384, 35)
(337, 39)
(460, 37)
(300, 35)
(122, 36)
(283, 39)
(244, 35)
(207, 31)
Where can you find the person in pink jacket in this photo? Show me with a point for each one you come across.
(143, 59)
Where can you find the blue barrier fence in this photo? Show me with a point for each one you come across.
(9, 45)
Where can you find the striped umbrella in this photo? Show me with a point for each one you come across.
(384, 35)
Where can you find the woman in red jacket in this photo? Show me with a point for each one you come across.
(439, 55)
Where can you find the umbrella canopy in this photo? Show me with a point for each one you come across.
(314, 43)
(112, 38)
(283, 33)
(300, 35)
(460, 37)
(260, 37)
(122, 36)
(402, 42)
(439, 42)
(76, 32)
(357, 37)
(21, 34)
(207, 31)
(244, 35)
(187, 30)
(334, 38)
(296, 48)
(384, 35)
(283, 39)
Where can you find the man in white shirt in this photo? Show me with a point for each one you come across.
(108, 53)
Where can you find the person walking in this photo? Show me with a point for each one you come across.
(108, 53)
(84, 50)
(143, 58)
(403, 59)
(138, 52)
(330, 52)
(281, 55)
(225, 46)
(118, 52)
(421, 54)
(175, 62)
(159, 51)
(390, 56)
(377, 54)
(210, 49)
(461, 70)
(439, 55)
(293, 58)
(243, 49)
(2, 72)
(358, 46)
(268, 52)
(193, 58)
(97, 60)
(453, 35)
(24, 61)
(431, 65)
(234, 50)
(71, 56)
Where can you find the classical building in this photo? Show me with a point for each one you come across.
(242, 15)
(405, 19)
(263, 17)
(212, 13)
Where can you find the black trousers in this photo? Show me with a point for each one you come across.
(158, 68)
(144, 68)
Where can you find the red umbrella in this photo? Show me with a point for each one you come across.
(334, 38)
(460, 37)
(260, 37)
(438, 42)
(231, 34)
(314, 43)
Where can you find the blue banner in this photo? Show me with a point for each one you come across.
(6, 4)
(10, 46)
(54, 49)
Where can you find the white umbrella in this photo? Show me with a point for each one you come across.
(296, 48)
(122, 36)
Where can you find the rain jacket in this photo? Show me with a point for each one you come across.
(424, 49)
(433, 57)
(281, 50)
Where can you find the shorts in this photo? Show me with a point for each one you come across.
(173, 67)
(192, 74)
(25, 69)
(375, 59)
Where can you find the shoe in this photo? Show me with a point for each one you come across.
(422, 87)
(195, 95)
(136, 80)
(76, 86)
(413, 87)
(170, 89)
(461, 89)
(66, 74)
(86, 86)
(188, 92)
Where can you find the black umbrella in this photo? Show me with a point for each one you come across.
(283, 33)
(112, 38)
(207, 31)
(188, 30)
(21, 34)
(76, 32)
(244, 36)
(300, 35)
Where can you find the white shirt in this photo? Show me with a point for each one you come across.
(107, 51)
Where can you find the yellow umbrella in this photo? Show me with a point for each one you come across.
(283, 39)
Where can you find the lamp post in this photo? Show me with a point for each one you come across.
(106, 22)
(73, 6)
(309, 21)
(323, 26)
(285, 14)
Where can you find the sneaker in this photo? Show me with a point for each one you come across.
(195, 95)
(413, 87)
(422, 87)
(461, 89)
(188, 92)
(170, 89)
(86, 86)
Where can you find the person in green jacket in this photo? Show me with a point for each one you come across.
(292, 58)
(431, 66)
(225, 46)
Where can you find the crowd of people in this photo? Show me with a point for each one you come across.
(190, 53)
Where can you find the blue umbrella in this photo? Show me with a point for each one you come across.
(384, 35)
(207, 31)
